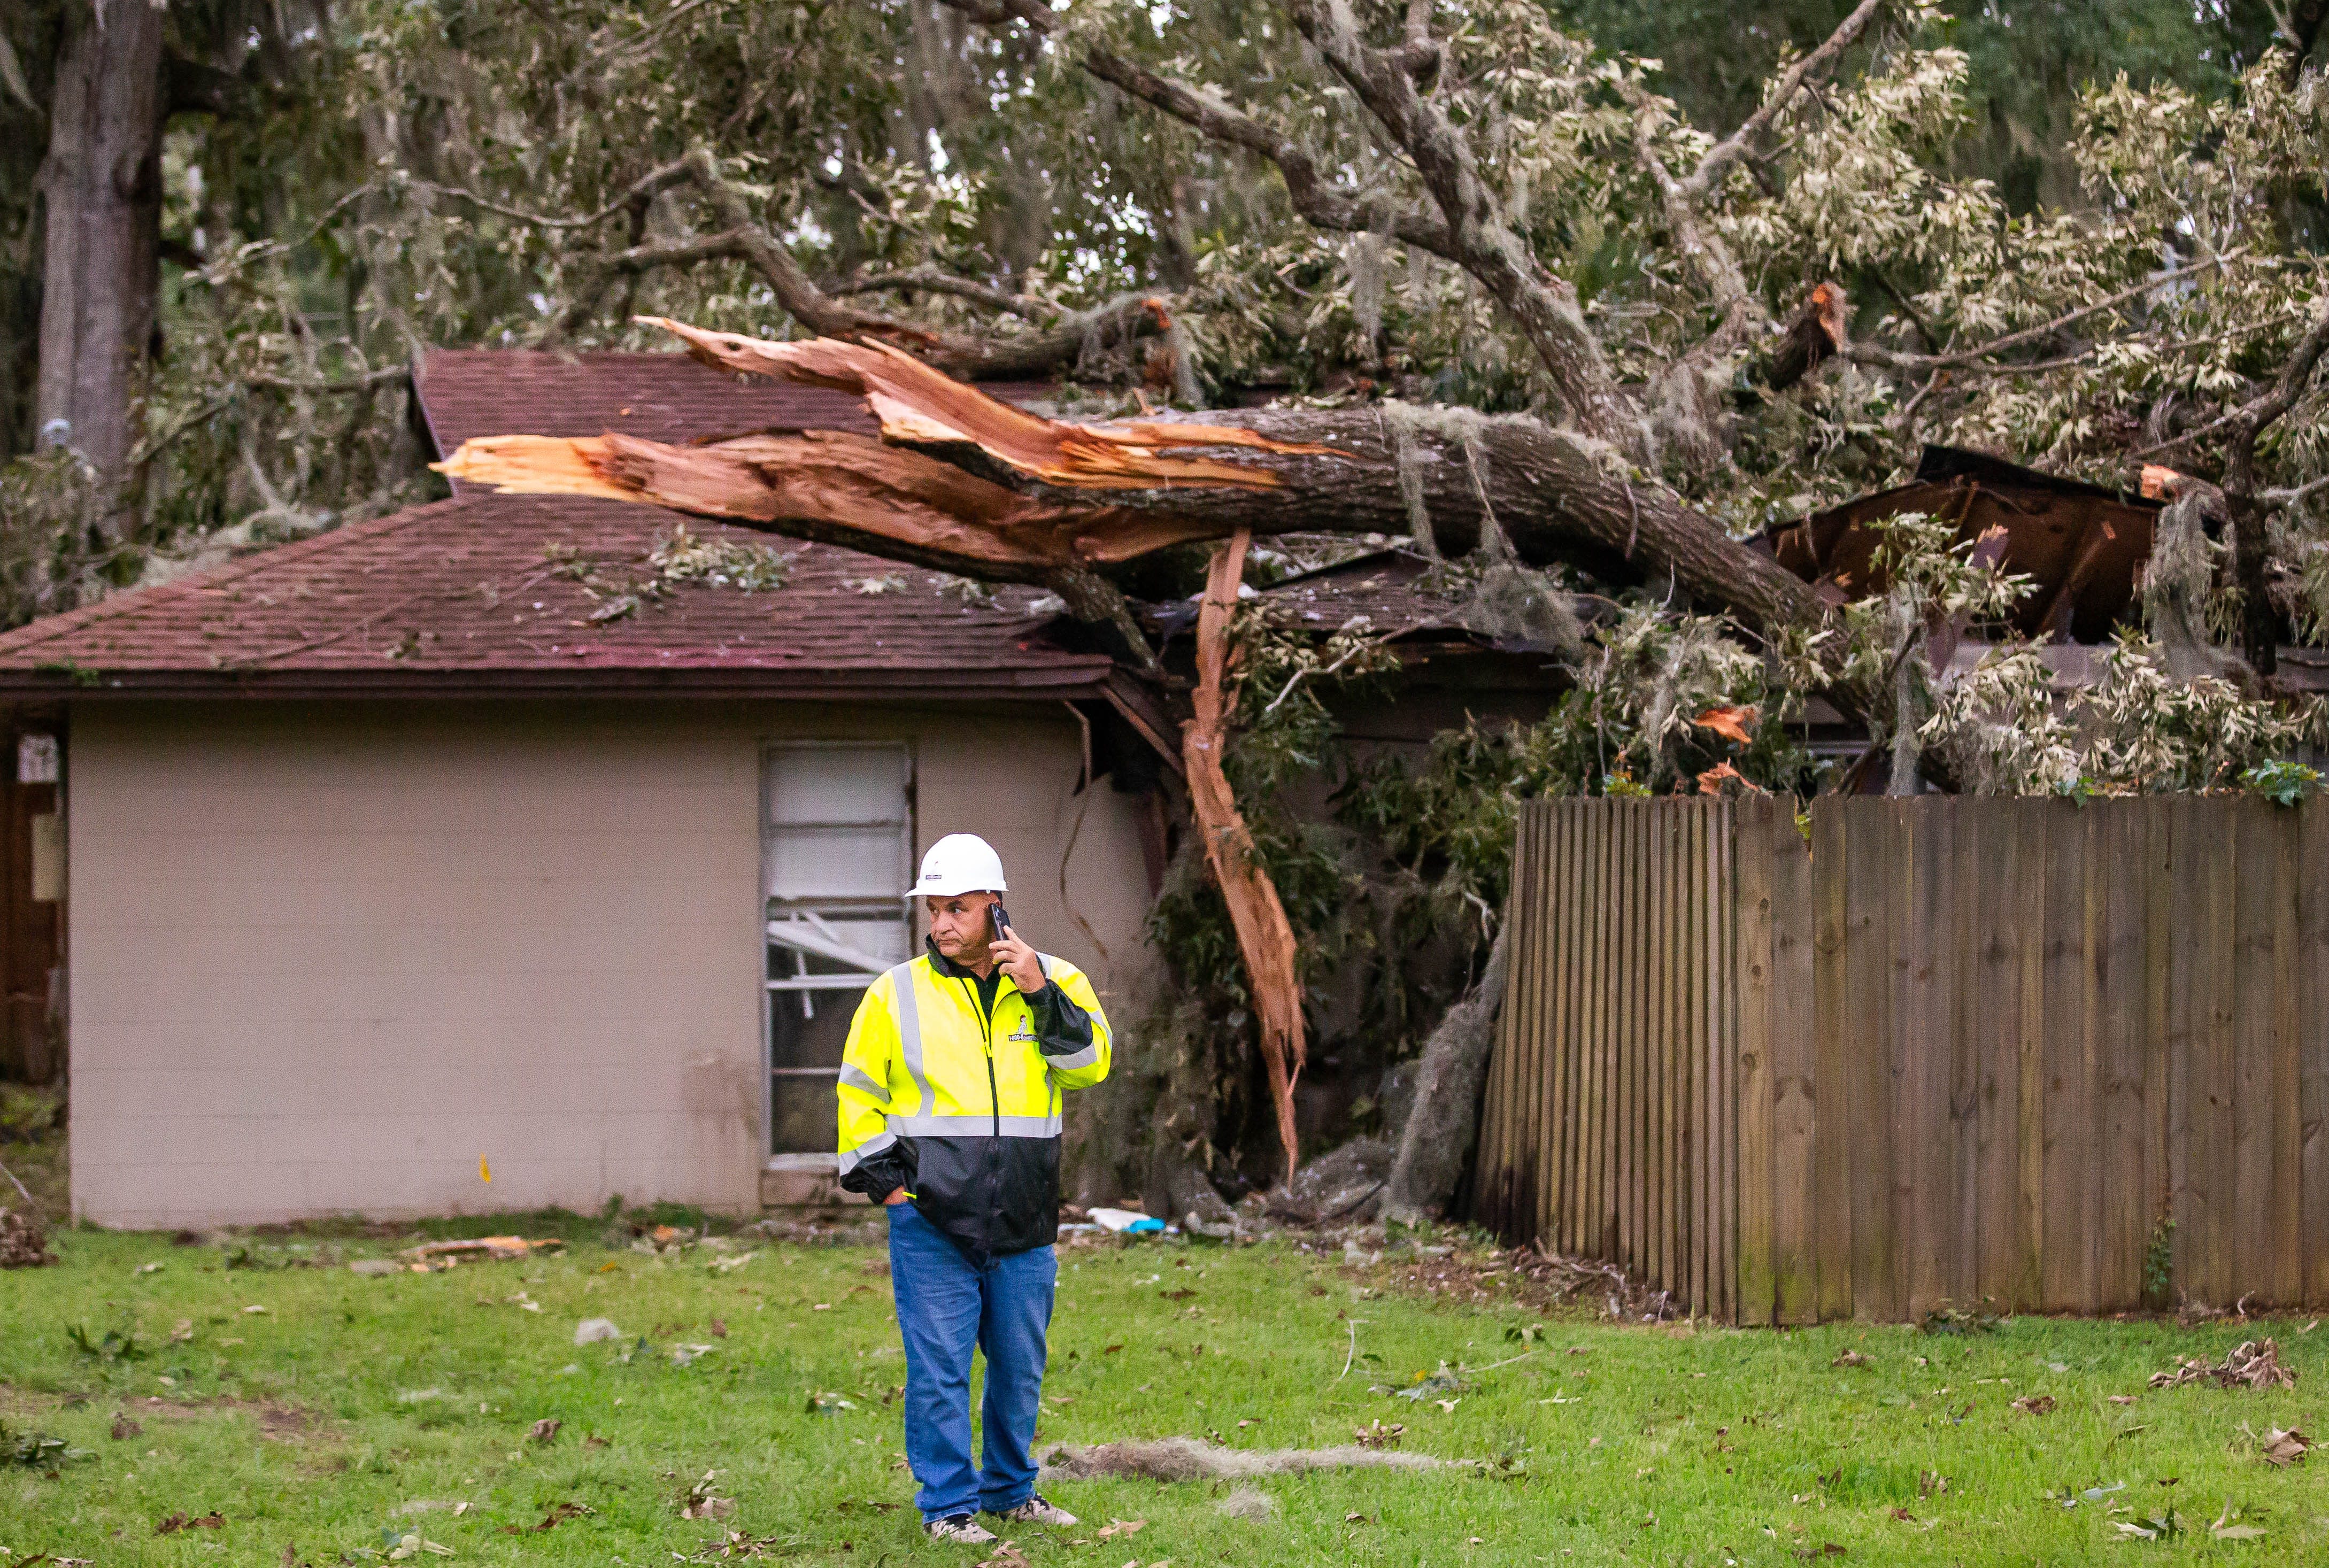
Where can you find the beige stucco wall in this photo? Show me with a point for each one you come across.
(325, 957)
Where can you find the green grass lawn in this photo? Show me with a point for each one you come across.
(322, 1414)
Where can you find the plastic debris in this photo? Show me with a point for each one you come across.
(1128, 1222)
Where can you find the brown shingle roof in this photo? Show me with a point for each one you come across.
(463, 596)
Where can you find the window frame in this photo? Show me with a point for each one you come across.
(850, 983)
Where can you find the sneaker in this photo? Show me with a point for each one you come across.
(961, 1528)
(1038, 1510)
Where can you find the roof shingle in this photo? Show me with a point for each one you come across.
(466, 594)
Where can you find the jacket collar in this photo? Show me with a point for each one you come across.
(947, 967)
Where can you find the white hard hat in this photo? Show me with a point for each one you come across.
(960, 862)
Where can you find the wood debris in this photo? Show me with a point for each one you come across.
(1265, 936)
(921, 406)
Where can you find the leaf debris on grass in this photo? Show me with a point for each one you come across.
(700, 1501)
(2251, 1363)
(736, 1543)
(2282, 1447)
(213, 1520)
(558, 1515)
(412, 1543)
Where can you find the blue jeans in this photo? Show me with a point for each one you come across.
(944, 1306)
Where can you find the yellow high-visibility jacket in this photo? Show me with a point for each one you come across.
(960, 1105)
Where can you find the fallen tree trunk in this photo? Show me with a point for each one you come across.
(1444, 1117)
(1265, 936)
(965, 483)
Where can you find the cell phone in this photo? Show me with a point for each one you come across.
(997, 917)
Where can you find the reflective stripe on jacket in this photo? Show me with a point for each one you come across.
(962, 1109)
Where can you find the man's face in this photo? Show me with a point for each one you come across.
(958, 924)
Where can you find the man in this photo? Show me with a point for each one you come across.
(950, 1089)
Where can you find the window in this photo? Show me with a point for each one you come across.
(836, 852)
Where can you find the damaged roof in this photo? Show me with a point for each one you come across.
(487, 594)
(2082, 545)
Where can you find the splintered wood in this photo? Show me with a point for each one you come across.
(854, 490)
(920, 406)
(1265, 936)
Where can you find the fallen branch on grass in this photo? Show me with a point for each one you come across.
(1187, 1460)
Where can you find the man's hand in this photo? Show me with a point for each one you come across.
(897, 1195)
(1018, 960)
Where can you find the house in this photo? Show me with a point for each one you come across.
(479, 857)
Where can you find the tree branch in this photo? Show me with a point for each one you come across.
(2259, 622)
(1718, 270)
(338, 386)
(1316, 197)
(633, 263)
(1891, 359)
(642, 191)
(1813, 68)
(928, 281)
(1541, 304)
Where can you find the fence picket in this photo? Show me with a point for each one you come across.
(1833, 1130)
(1593, 1238)
(2251, 1082)
(1795, 1104)
(2284, 1254)
(1994, 1016)
(1924, 1206)
(2116, 957)
(2162, 913)
(2313, 1043)
(1871, 855)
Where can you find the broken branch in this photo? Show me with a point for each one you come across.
(1265, 936)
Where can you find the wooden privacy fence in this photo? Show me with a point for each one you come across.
(2022, 1052)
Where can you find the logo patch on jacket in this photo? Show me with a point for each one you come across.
(1022, 1033)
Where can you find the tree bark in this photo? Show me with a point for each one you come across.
(976, 486)
(101, 188)
(1265, 936)
(1445, 1119)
